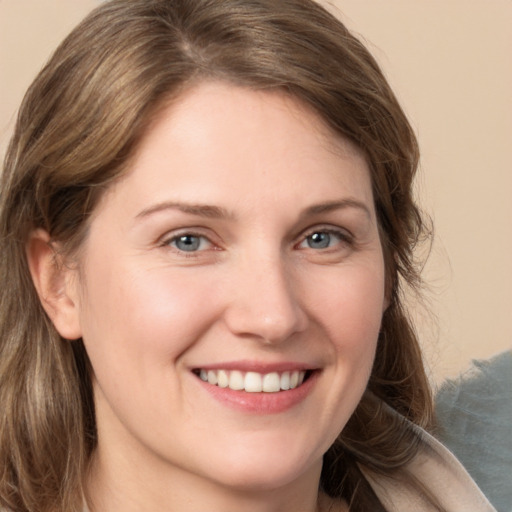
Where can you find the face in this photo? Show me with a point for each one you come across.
(230, 292)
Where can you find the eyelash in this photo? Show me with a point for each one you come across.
(170, 241)
(343, 236)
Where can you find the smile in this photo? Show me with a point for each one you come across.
(253, 382)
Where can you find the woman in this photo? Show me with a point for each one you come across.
(206, 225)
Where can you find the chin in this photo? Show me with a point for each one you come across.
(256, 480)
(260, 471)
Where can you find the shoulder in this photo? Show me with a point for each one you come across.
(474, 413)
(433, 473)
(484, 392)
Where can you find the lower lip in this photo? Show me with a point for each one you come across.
(261, 403)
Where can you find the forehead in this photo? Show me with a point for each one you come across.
(220, 102)
(218, 138)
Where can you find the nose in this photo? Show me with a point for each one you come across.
(264, 302)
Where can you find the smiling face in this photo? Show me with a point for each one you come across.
(241, 253)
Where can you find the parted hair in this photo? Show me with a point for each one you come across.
(77, 130)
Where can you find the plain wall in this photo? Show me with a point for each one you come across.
(449, 63)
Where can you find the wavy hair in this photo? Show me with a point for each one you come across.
(77, 129)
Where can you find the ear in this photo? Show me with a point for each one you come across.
(386, 303)
(56, 284)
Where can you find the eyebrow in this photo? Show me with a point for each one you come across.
(201, 210)
(330, 206)
(217, 212)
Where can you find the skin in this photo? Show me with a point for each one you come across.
(258, 288)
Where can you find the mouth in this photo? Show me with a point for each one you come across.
(254, 382)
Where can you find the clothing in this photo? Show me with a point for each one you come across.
(475, 422)
(441, 474)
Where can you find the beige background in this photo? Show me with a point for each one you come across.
(449, 62)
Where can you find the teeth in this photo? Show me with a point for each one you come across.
(271, 383)
(253, 382)
(294, 380)
(212, 377)
(285, 381)
(222, 379)
(236, 381)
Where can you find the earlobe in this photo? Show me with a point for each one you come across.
(56, 284)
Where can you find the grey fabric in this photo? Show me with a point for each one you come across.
(475, 423)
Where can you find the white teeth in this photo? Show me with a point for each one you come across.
(294, 380)
(253, 382)
(285, 381)
(236, 381)
(212, 377)
(222, 379)
(271, 383)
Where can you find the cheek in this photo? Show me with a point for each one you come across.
(351, 304)
(144, 315)
(137, 326)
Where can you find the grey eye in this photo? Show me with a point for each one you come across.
(319, 240)
(187, 243)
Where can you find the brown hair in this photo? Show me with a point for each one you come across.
(78, 126)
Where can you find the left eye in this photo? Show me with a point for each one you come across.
(189, 242)
(321, 240)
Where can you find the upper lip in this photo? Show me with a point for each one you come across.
(258, 366)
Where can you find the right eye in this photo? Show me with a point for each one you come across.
(189, 242)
